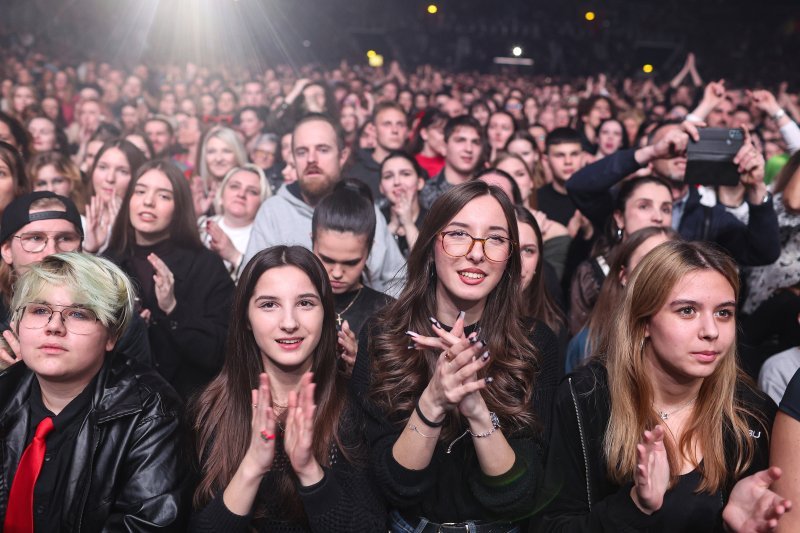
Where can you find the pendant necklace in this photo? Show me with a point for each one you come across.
(663, 415)
(339, 318)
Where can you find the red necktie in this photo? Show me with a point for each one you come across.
(19, 513)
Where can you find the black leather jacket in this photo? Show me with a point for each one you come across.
(129, 469)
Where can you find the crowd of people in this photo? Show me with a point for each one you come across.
(367, 299)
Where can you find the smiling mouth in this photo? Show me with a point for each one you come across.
(472, 275)
(289, 342)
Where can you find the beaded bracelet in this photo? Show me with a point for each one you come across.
(425, 420)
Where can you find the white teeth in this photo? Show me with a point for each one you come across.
(472, 275)
(288, 341)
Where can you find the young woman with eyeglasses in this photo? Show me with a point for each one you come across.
(456, 397)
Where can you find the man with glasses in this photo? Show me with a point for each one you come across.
(34, 226)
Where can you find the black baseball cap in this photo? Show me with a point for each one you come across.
(17, 214)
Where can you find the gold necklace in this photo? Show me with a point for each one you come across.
(339, 319)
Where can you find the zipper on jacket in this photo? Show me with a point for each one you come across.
(583, 443)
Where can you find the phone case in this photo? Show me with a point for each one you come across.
(710, 160)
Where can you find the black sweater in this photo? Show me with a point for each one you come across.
(452, 488)
(344, 501)
(577, 493)
(188, 344)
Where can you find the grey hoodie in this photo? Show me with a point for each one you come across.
(286, 219)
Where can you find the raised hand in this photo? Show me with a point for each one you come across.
(261, 451)
(201, 199)
(164, 284)
(299, 435)
(765, 101)
(222, 244)
(651, 479)
(753, 507)
(100, 216)
(348, 346)
(9, 349)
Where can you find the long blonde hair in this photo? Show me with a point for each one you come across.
(717, 414)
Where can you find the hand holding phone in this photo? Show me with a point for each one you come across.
(710, 160)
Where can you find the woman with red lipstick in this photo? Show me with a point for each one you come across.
(238, 198)
(279, 444)
(662, 433)
(455, 394)
(185, 289)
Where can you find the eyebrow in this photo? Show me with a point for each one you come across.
(465, 226)
(349, 262)
(729, 303)
(269, 297)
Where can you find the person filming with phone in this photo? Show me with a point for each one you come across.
(755, 243)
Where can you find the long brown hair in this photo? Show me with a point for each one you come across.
(536, 300)
(719, 416)
(64, 165)
(399, 375)
(221, 415)
(183, 226)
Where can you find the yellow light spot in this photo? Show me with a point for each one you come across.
(371, 53)
(433, 9)
(647, 69)
(590, 16)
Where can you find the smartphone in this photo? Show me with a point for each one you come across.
(710, 160)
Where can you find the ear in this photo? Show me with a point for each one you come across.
(420, 184)
(110, 343)
(343, 155)
(619, 220)
(623, 277)
(424, 134)
(5, 251)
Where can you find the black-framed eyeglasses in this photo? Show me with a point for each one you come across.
(458, 243)
(77, 320)
(35, 241)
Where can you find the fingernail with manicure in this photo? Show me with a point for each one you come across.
(473, 339)
(489, 379)
(412, 346)
(411, 333)
(485, 355)
(435, 322)
(461, 315)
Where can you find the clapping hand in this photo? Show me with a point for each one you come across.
(753, 507)
(651, 479)
(299, 435)
(164, 284)
(348, 346)
(455, 382)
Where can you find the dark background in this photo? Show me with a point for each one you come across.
(736, 39)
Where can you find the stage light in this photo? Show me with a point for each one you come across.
(590, 16)
(516, 51)
(376, 60)
(371, 53)
(647, 69)
(433, 9)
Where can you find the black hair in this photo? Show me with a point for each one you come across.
(20, 134)
(408, 157)
(348, 208)
(625, 144)
(562, 136)
(430, 116)
(463, 121)
(260, 112)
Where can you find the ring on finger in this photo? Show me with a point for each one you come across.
(447, 356)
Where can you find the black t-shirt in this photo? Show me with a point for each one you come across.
(790, 404)
(365, 303)
(556, 206)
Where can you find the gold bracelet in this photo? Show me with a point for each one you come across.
(413, 428)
